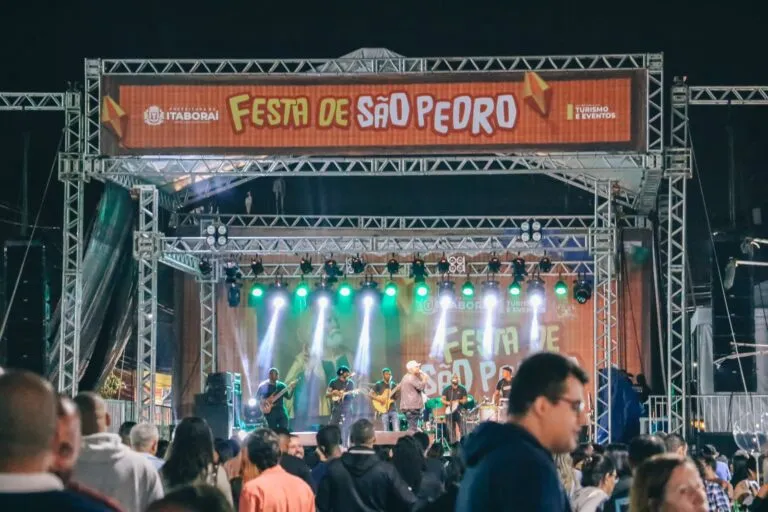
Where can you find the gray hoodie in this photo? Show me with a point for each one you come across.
(588, 499)
(108, 466)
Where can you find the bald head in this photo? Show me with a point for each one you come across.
(93, 413)
(27, 422)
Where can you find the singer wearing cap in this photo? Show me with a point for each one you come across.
(411, 388)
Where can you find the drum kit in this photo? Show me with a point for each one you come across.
(472, 413)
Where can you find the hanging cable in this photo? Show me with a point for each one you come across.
(31, 237)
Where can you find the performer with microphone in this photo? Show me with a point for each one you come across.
(411, 388)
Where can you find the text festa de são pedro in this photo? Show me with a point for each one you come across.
(477, 115)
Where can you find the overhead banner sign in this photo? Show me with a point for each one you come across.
(453, 113)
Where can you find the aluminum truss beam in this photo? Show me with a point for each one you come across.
(146, 251)
(208, 329)
(605, 348)
(33, 101)
(728, 95)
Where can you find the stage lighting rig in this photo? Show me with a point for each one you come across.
(251, 412)
(530, 231)
(390, 290)
(494, 265)
(515, 289)
(358, 264)
(205, 267)
(305, 265)
(369, 290)
(323, 294)
(255, 294)
(561, 288)
(468, 289)
(345, 289)
(232, 272)
(332, 270)
(302, 290)
(418, 270)
(490, 290)
(393, 266)
(582, 289)
(443, 267)
(233, 295)
(518, 268)
(257, 267)
(216, 235)
(536, 291)
(278, 293)
(446, 293)
(545, 264)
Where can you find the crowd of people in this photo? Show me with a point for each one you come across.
(57, 453)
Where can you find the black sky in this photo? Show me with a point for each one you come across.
(43, 44)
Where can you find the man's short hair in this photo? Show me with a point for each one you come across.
(143, 436)
(328, 438)
(674, 442)
(506, 368)
(125, 429)
(263, 448)
(362, 432)
(92, 407)
(274, 370)
(342, 369)
(385, 370)
(423, 440)
(543, 374)
(643, 447)
(27, 416)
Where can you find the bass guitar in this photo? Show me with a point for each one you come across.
(383, 401)
(268, 403)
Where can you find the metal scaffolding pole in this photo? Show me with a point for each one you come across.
(208, 334)
(146, 251)
(605, 349)
(674, 240)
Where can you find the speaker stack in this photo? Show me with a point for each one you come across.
(218, 404)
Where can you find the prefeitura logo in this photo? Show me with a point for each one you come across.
(155, 116)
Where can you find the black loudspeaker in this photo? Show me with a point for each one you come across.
(722, 441)
(219, 416)
(218, 388)
(25, 335)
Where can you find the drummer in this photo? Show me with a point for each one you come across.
(503, 387)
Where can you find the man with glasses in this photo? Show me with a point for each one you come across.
(510, 466)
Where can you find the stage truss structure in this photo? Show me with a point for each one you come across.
(599, 173)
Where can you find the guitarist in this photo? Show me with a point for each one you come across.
(454, 397)
(277, 417)
(387, 385)
(341, 392)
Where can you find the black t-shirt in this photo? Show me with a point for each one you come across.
(504, 387)
(452, 394)
(338, 385)
(268, 389)
(380, 386)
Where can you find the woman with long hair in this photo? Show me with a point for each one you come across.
(598, 479)
(190, 459)
(667, 482)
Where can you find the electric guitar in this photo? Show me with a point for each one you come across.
(266, 404)
(382, 402)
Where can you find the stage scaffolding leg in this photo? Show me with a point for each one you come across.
(677, 173)
(146, 243)
(605, 348)
(72, 175)
(208, 335)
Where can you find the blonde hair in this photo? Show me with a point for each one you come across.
(564, 465)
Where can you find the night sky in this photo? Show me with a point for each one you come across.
(43, 44)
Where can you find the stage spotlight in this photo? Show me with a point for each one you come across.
(525, 231)
(368, 301)
(252, 402)
(422, 290)
(323, 301)
(357, 264)
(582, 290)
(518, 268)
(530, 231)
(205, 267)
(233, 295)
(332, 270)
(390, 290)
(257, 267)
(536, 231)
(443, 267)
(345, 289)
(514, 288)
(232, 272)
(251, 412)
(490, 301)
(279, 294)
(393, 266)
(446, 293)
(257, 290)
(468, 289)
(545, 264)
(561, 289)
(278, 301)
(494, 265)
(418, 270)
(490, 288)
(305, 266)
(536, 292)
(221, 235)
(302, 290)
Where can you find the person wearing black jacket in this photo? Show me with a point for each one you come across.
(510, 467)
(359, 481)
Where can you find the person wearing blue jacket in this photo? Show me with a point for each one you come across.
(510, 466)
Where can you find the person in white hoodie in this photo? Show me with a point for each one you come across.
(598, 479)
(107, 465)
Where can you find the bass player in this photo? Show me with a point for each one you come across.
(271, 393)
(383, 396)
(340, 392)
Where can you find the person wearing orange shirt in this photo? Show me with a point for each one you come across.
(267, 487)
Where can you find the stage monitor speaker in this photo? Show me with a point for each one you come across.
(219, 416)
(25, 335)
(722, 441)
(307, 439)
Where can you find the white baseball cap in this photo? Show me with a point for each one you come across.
(412, 364)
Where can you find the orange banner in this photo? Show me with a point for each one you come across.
(459, 113)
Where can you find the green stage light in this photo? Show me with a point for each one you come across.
(561, 289)
(390, 290)
(422, 289)
(345, 290)
(302, 290)
(468, 289)
(514, 289)
(257, 291)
